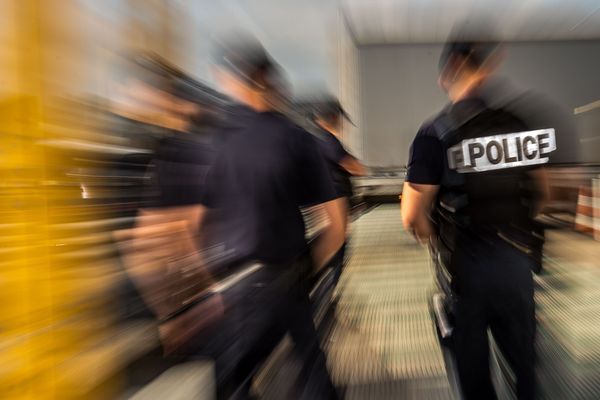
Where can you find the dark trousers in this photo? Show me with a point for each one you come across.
(338, 263)
(494, 290)
(332, 271)
(269, 304)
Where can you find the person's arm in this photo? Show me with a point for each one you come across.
(332, 237)
(192, 214)
(317, 189)
(332, 150)
(353, 166)
(417, 200)
(423, 176)
(542, 185)
(162, 209)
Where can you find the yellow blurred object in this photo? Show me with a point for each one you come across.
(48, 317)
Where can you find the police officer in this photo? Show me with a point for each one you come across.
(182, 159)
(328, 118)
(472, 189)
(265, 171)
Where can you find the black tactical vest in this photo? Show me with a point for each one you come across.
(486, 190)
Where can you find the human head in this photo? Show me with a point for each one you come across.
(278, 89)
(141, 83)
(329, 113)
(469, 57)
(242, 68)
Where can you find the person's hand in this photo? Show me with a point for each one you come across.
(433, 241)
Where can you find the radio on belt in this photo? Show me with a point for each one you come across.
(502, 151)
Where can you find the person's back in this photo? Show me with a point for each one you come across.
(262, 175)
(477, 171)
(181, 164)
(334, 152)
(328, 118)
(493, 183)
(264, 172)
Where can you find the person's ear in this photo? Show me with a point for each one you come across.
(457, 66)
(218, 74)
(492, 63)
(442, 83)
(447, 74)
(336, 121)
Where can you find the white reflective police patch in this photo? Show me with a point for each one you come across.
(502, 151)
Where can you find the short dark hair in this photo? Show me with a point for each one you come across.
(330, 109)
(244, 56)
(473, 42)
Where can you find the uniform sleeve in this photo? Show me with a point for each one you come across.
(315, 182)
(152, 190)
(209, 194)
(425, 162)
(333, 150)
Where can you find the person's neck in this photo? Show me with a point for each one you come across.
(255, 102)
(464, 89)
(249, 98)
(330, 128)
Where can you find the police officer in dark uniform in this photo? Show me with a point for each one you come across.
(472, 188)
(182, 159)
(328, 117)
(262, 174)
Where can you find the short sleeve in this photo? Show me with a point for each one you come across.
(315, 182)
(425, 162)
(331, 148)
(212, 186)
(340, 152)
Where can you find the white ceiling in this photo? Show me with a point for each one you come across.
(427, 21)
(298, 33)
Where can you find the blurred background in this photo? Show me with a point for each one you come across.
(88, 89)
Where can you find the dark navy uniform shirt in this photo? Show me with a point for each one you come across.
(494, 201)
(426, 157)
(180, 167)
(334, 152)
(265, 171)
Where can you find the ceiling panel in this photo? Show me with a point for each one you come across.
(426, 21)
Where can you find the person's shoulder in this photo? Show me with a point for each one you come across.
(322, 137)
(278, 120)
(302, 138)
(166, 147)
(303, 141)
(282, 123)
(281, 130)
(428, 128)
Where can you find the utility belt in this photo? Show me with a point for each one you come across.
(294, 273)
(454, 229)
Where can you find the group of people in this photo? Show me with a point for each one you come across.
(474, 185)
(240, 171)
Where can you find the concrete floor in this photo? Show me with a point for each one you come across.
(384, 345)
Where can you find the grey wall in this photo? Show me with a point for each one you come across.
(399, 87)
